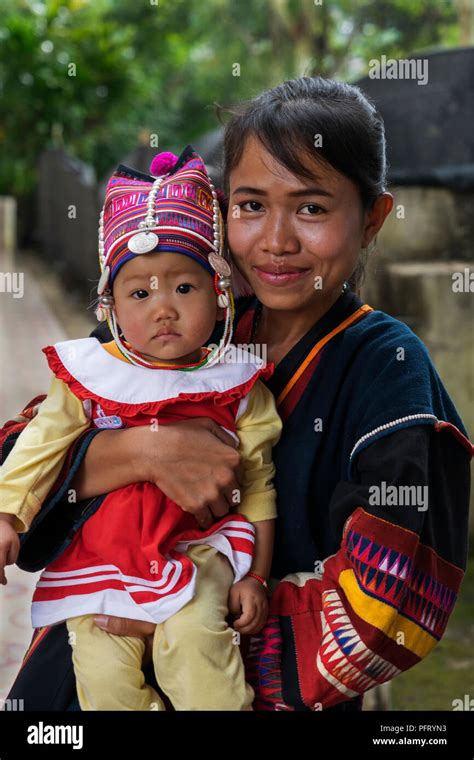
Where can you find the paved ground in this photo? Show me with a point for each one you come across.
(40, 317)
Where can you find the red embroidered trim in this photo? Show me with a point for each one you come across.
(220, 398)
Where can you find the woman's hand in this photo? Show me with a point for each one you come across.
(196, 464)
(125, 627)
(9, 545)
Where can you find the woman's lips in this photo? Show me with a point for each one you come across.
(280, 278)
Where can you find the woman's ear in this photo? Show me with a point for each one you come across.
(375, 217)
(220, 313)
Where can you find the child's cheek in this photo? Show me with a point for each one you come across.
(129, 323)
(136, 330)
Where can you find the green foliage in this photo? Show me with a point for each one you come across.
(62, 66)
(98, 75)
(448, 672)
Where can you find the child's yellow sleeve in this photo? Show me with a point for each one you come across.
(34, 463)
(259, 429)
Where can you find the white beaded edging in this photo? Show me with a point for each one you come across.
(389, 425)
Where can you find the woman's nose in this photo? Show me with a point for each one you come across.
(278, 235)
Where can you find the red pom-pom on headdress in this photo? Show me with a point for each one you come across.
(162, 163)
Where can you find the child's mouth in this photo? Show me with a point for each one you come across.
(166, 335)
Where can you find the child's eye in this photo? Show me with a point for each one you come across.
(184, 285)
(254, 203)
(313, 206)
(139, 294)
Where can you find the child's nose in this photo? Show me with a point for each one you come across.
(164, 308)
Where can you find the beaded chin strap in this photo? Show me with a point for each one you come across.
(146, 241)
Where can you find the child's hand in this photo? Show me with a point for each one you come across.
(249, 603)
(9, 545)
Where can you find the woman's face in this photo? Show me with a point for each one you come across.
(296, 241)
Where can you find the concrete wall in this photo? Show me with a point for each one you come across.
(426, 240)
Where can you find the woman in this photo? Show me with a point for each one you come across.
(373, 463)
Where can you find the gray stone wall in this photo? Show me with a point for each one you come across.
(422, 272)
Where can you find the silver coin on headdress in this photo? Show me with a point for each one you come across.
(143, 242)
(219, 264)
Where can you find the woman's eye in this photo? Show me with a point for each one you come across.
(139, 294)
(315, 209)
(186, 286)
(253, 203)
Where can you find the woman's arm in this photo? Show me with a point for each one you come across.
(172, 457)
(382, 602)
(113, 460)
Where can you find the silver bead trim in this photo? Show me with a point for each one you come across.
(389, 425)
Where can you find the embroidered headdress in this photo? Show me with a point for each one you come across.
(176, 208)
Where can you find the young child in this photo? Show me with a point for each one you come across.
(164, 283)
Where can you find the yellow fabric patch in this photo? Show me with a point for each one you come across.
(385, 618)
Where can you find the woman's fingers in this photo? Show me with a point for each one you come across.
(204, 517)
(230, 478)
(220, 433)
(124, 626)
(197, 465)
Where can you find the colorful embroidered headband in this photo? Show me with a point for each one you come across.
(178, 210)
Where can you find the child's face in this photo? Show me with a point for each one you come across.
(162, 291)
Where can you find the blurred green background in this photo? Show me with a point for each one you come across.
(97, 77)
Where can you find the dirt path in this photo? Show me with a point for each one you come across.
(40, 315)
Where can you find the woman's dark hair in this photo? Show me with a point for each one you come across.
(287, 120)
